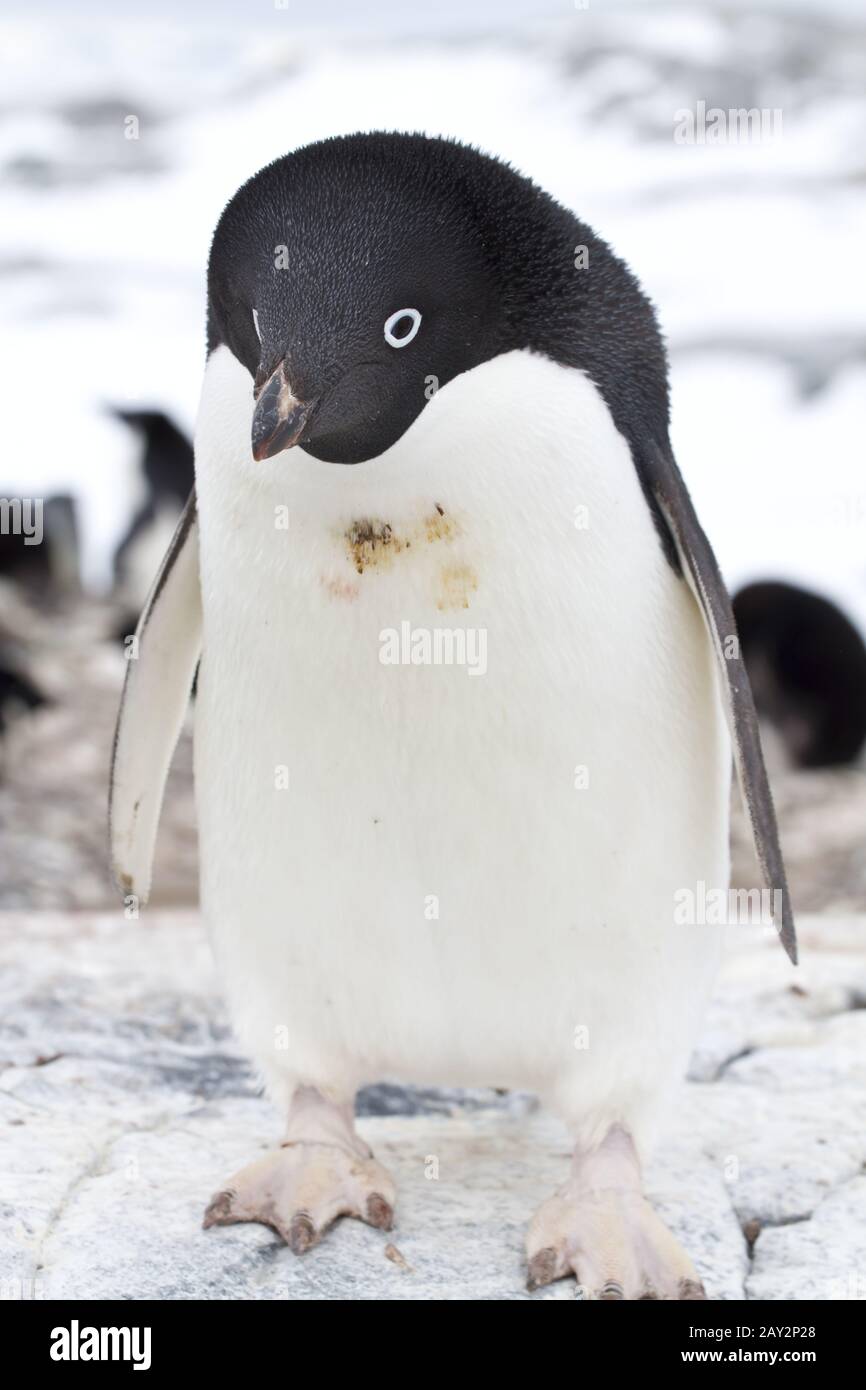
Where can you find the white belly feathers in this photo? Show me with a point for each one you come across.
(458, 743)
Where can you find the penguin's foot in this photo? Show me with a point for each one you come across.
(323, 1170)
(600, 1228)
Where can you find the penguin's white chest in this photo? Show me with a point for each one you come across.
(458, 745)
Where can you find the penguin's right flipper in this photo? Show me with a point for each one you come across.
(156, 693)
(702, 572)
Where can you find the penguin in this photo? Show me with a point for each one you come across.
(43, 559)
(18, 691)
(468, 687)
(807, 666)
(168, 475)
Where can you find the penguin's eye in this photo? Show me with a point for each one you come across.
(256, 325)
(402, 327)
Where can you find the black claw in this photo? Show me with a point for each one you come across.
(379, 1212)
(691, 1289)
(612, 1292)
(219, 1208)
(542, 1269)
(302, 1233)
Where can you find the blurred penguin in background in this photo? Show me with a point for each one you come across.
(39, 574)
(39, 547)
(807, 665)
(167, 472)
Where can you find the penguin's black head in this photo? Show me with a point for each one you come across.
(357, 276)
(352, 280)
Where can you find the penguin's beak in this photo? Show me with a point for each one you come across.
(279, 417)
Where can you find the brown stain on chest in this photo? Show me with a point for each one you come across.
(457, 584)
(373, 545)
(342, 589)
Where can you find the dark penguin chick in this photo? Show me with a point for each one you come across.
(807, 665)
(167, 468)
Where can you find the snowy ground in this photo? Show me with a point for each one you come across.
(124, 1104)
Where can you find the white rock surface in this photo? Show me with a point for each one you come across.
(124, 1103)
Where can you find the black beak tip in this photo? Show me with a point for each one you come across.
(274, 427)
(262, 449)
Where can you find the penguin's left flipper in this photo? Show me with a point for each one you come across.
(704, 577)
(159, 678)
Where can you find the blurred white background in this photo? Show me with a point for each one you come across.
(752, 251)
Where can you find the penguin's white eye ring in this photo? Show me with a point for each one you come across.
(398, 340)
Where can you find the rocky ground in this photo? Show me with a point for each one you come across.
(124, 1103)
(54, 770)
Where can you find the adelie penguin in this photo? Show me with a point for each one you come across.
(417, 408)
